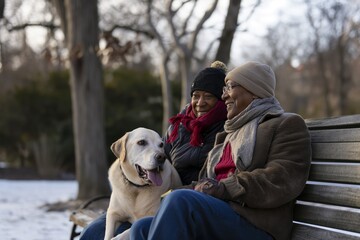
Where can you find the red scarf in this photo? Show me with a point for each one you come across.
(196, 125)
(226, 164)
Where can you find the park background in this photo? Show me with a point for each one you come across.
(75, 75)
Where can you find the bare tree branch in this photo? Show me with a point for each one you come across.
(182, 4)
(186, 22)
(200, 24)
(146, 33)
(207, 51)
(174, 35)
(253, 10)
(49, 25)
(164, 70)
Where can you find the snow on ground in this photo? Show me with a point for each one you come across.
(21, 215)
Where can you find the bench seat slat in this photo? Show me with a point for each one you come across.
(345, 173)
(304, 232)
(347, 196)
(328, 216)
(83, 217)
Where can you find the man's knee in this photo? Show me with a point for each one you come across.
(95, 230)
(140, 228)
(179, 195)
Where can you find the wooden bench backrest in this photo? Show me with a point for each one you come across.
(329, 207)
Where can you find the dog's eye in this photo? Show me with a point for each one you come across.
(141, 142)
(161, 145)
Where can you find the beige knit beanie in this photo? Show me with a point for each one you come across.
(258, 78)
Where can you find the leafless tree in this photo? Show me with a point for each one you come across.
(229, 29)
(334, 31)
(177, 31)
(87, 92)
(320, 58)
(2, 7)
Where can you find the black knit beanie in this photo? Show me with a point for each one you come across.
(210, 79)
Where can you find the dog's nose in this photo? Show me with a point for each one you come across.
(160, 157)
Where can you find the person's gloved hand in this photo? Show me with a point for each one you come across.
(212, 187)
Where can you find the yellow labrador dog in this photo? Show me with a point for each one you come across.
(138, 177)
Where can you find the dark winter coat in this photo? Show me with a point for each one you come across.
(187, 159)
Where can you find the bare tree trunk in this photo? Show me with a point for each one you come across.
(185, 70)
(166, 93)
(164, 70)
(186, 50)
(87, 94)
(227, 35)
(47, 156)
(2, 7)
(325, 82)
(61, 11)
(321, 63)
(344, 78)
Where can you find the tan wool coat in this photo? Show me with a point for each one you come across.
(264, 193)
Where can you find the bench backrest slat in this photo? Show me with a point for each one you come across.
(341, 195)
(329, 216)
(348, 151)
(337, 173)
(351, 121)
(302, 232)
(331, 198)
(335, 135)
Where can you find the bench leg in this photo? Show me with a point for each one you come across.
(74, 234)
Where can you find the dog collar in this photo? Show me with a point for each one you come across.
(130, 182)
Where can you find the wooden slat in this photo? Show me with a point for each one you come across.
(346, 173)
(335, 122)
(83, 217)
(328, 216)
(336, 151)
(341, 194)
(303, 232)
(335, 135)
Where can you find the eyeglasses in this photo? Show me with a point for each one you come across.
(228, 87)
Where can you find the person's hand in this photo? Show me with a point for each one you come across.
(212, 187)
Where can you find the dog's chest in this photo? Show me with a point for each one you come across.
(138, 204)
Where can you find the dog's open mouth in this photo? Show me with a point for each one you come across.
(152, 176)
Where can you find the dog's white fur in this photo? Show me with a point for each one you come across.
(135, 196)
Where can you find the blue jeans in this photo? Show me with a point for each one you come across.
(96, 229)
(188, 215)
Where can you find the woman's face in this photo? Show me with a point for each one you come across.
(236, 98)
(202, 102)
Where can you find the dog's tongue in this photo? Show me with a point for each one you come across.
(155, 177)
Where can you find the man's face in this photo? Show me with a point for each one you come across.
(236, 98)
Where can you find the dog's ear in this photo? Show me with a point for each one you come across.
(118, 147)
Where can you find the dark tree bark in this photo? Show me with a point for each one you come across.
(2, 7)
(87, 92)
(228, 32)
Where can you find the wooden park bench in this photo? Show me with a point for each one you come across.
(329, 206)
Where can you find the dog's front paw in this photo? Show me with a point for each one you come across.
(123, 236)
